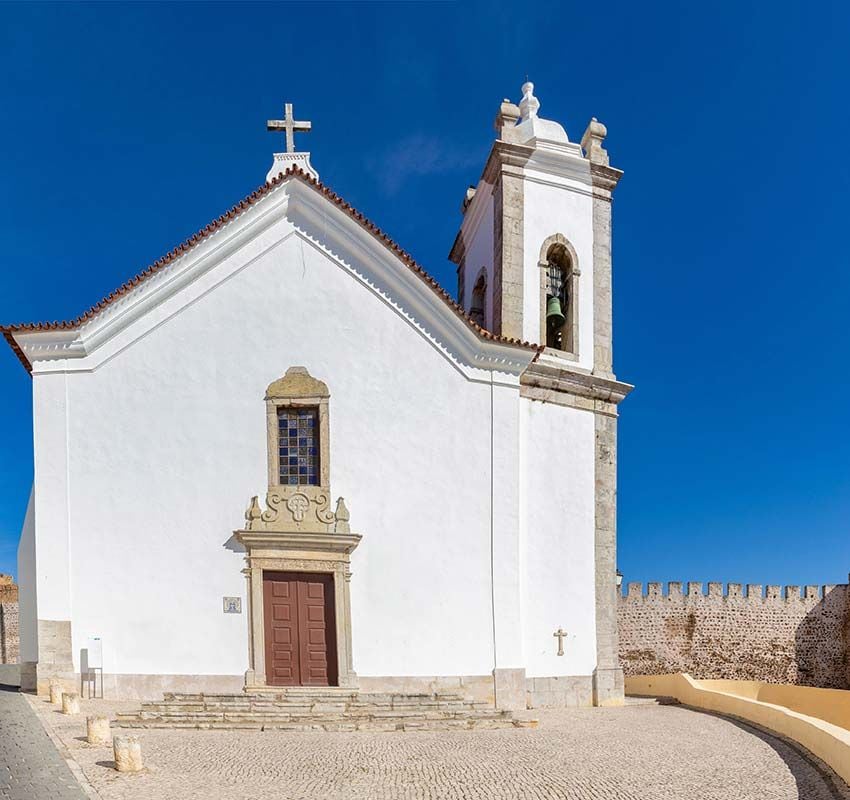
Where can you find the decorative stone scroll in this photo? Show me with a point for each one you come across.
(302, 509)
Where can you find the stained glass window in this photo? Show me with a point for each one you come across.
(298, 446)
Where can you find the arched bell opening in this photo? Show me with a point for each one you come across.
(478, 306)
(559, 296)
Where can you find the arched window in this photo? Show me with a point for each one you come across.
(559, 295)
(478, 306)
(298, 442)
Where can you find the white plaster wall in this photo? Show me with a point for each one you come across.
(479, 250)
(50, 497)
(166, 443)
(27, 606)
(506, 547)
(557, 205)
(558, 538)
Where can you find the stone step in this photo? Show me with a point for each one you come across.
(313, 707)
(376, 715)
(323, 708)
(318, 707)
(300, 694)
(317, 724)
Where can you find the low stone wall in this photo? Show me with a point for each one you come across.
(777, 635)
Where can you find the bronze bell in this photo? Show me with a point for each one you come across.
(554, 315)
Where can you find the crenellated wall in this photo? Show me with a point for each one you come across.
(9, 647)
(773, 634)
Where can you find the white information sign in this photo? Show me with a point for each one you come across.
(94, 645)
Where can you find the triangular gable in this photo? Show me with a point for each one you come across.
(12, 332)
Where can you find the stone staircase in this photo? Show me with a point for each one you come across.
(320, 709)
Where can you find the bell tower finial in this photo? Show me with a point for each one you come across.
(529, 105)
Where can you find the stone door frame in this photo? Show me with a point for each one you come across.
(271, 551)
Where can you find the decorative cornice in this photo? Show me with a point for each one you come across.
(548, 383)
(452, 334)
(504, 154)
(564, 162)
(82, 336)
(297, 541)
(605, 178)
(74, 342)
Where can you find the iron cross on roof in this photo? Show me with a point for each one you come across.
(289, 125)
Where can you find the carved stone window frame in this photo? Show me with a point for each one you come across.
(572, 315)
(298, 389)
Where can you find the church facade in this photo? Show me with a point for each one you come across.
(235, 491)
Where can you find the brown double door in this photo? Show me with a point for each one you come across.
(300, 629)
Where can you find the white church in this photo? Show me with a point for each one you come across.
(235, 491)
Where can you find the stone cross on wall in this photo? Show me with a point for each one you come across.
(289, 125)
(560, 634)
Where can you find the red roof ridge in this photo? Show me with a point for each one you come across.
(8, 331)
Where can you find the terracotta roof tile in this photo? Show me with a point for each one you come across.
(8, 331)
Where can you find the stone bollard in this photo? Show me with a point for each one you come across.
(56, 693)
(97, 730)
(128, 753)
(70, 703)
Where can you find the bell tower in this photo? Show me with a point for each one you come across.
(533, 259)
(536, 235)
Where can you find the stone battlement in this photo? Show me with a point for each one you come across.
(8, 589)
(775, 634)
(734, 591)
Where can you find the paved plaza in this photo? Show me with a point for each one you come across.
(635, 753)
(30, 765)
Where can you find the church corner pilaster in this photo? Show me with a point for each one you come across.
(55, 656)
(508, 254)
(604, 180)
(608, 675)
(608, 683)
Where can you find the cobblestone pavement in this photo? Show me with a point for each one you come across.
(639, 752)
(30, 766)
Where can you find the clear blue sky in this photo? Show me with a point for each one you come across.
(123, 129)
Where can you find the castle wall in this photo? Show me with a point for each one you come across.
(9, 647)
(779, 635)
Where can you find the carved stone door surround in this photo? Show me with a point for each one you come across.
(281, 551)
(297, 532)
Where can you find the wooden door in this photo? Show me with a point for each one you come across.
(300, 629)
